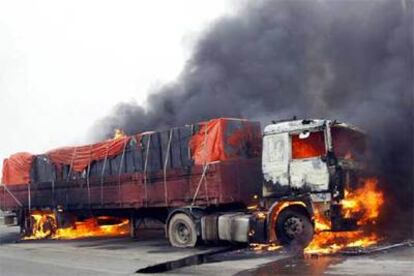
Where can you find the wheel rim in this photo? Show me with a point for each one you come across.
(293, 226)
(183, 233)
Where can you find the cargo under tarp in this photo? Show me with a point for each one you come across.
(150, 152)
(80, 157)
(16, 168)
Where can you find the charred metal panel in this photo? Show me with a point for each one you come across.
(275, 164)
(309, 173)
(282, 174)
(321, 197)
(275, 161)
(290, 126)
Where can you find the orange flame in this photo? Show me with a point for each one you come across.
(44, 226)
(264, 246)
(364, 203)
(119, 133)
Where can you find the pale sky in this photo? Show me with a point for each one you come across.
(65, 64)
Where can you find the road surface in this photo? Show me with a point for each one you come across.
(126, 256)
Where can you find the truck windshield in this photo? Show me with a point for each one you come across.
(348, 143)
(308, 146)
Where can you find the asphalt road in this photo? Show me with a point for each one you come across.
(125, 256)
(113, 256)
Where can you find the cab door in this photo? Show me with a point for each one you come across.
(275, 163)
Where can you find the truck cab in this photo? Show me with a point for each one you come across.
(307, 165)
(305, 155)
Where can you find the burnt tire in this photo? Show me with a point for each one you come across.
(294, 228)
(182, 231)
(49, 227)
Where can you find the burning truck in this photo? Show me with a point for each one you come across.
(301, 182)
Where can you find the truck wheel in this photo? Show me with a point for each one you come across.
(49, 226)
(294, 228)
(182, 231)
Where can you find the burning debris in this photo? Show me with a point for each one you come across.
(44, 225)
(364, 203)
(119, 133)
(260, 247)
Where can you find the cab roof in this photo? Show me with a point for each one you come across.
(298, 125)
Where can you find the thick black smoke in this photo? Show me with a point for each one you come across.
(345, 60)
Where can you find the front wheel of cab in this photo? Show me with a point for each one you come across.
(182, 231)
(294, 228)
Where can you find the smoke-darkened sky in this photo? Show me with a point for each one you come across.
(347, 60)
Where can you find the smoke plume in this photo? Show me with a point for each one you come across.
(346, 60)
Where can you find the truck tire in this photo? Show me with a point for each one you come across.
(182, 231)
(49, 226)
(294, 228)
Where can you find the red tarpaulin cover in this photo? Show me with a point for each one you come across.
(16, 168)
(80, 157)
(214, 143)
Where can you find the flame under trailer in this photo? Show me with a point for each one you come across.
(221, 180)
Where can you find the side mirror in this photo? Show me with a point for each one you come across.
(305, 134)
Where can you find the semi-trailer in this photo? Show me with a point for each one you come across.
(220, 180)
